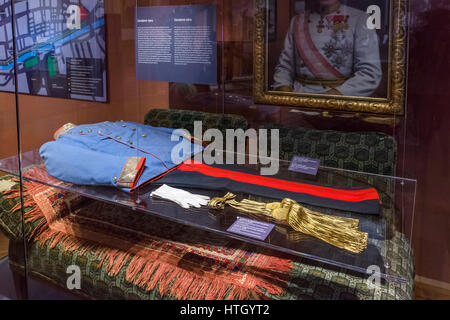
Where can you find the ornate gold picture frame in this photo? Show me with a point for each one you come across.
(394, 71)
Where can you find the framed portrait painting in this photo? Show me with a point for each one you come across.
(347, 55)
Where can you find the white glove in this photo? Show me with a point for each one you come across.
(183, 198)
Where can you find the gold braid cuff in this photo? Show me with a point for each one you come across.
(340, 232)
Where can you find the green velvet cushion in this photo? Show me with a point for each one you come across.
(10, 223)
(184, 119)
(370, 152)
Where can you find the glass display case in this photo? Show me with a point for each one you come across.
(259, 107)
(387, 224)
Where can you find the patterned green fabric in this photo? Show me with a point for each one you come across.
(324, 282)
(10, 224)
(185, 119)
(308, 280)
(369, 152)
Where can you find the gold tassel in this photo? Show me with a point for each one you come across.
(340, 232)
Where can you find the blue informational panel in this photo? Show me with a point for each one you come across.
(177, 44)
(60, 46)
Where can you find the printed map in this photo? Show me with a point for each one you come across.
(60, 47)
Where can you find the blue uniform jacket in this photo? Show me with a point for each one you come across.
(121, 154)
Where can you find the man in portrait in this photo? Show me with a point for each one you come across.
(329, 50)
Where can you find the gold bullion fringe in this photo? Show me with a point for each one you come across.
(338, 231)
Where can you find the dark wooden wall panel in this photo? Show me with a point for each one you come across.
(427, 143)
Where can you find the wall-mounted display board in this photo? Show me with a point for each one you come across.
(177, 44)
(60, 48)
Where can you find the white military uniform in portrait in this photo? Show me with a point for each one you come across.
(334, 51)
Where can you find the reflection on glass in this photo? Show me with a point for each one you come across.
(392, 225)
(329, 48)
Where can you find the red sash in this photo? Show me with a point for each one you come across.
(319, 66)
(240, 180)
